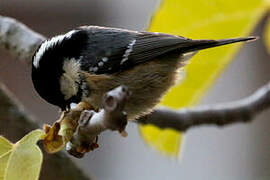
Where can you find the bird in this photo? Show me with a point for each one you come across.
(86, 62)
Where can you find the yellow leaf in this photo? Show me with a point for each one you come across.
(24, 160)
(267, 35)
(155, 137)
(200, 19)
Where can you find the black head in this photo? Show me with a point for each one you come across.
(47, 66)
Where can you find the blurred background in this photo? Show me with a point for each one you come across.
(238, 152)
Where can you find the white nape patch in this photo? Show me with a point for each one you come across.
(128, 51)
(70, 78)
(49, 43)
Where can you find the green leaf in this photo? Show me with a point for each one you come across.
(3, 164)
(5, 151)
(200, 19)
(5, 145)
(23, 160)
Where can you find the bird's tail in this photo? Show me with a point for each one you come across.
(196, 45)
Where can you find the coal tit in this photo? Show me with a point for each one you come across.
(87, 62)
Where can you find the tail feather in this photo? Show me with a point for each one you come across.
(196, 45)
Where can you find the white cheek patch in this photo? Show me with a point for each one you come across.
(72, 68)
(128, 51)
(68, 86)
(70, 78)
(50, 43)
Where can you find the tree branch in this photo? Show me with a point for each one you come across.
(220, 114)
(18, 39)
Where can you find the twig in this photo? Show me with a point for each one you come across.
(220, 114)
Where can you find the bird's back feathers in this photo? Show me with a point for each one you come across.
(111, 50)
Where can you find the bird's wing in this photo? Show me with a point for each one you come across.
(114, 50)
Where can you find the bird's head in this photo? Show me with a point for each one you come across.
(56, 66)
